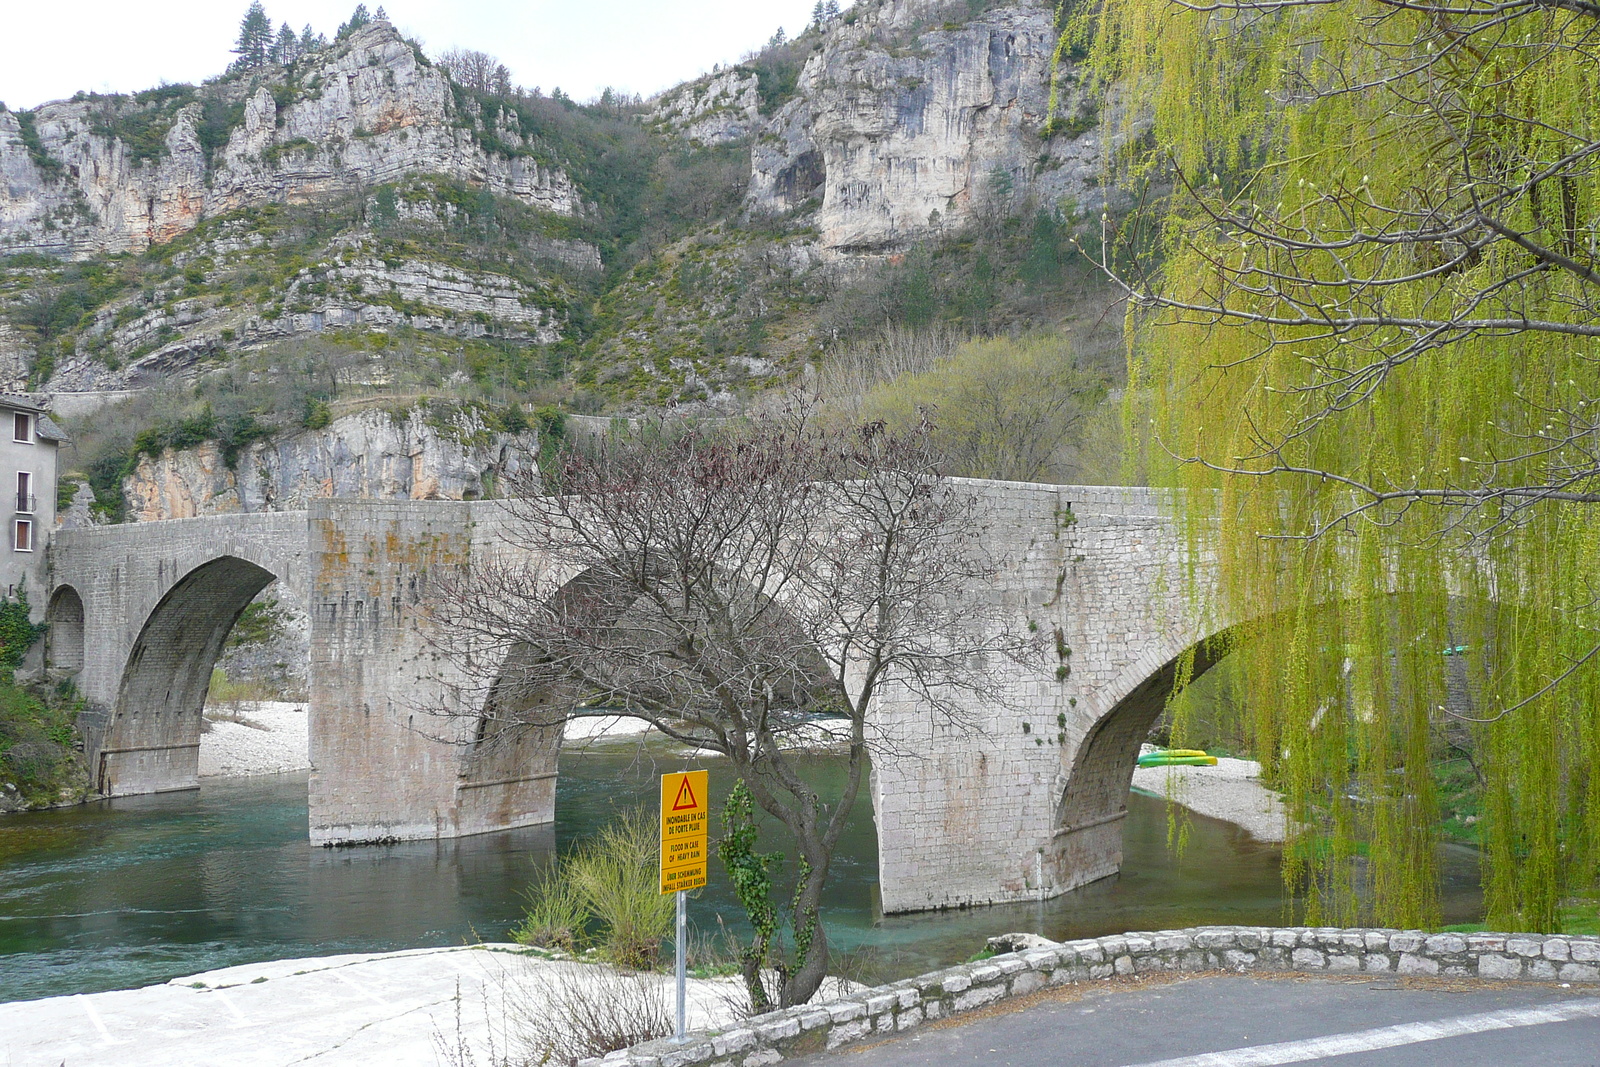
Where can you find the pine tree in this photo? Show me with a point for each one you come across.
(311, 40)
(819, 14)
(358, 18)
(779, 39)
(382, 15)
(286, 49)
(254, 46)
(830, 10)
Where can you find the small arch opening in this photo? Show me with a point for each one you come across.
(64, 638)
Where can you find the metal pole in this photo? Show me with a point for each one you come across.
(683, 926)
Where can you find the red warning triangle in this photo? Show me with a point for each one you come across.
(685, 798)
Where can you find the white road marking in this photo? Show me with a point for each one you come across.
(1382, 1037)
(231, 1006)
(347, 980)
(94, 1017)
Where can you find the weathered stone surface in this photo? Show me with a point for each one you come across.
(906, 125)
(377, 113)
(719, 109)
(370, 455)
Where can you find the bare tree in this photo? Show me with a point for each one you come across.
(731, 588)
(478, 71)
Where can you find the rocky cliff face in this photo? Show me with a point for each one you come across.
(907, 125)
(369, 455)
(112, 174)
(721, 109)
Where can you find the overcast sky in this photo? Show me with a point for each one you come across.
(51, 50)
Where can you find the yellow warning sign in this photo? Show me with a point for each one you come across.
(685, 822)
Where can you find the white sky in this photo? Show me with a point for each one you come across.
(49, 51)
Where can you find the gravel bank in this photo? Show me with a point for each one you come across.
(1231, 790)
(255, 737)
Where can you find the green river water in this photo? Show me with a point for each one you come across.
(130, 892)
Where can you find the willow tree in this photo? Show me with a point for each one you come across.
(1364, 299)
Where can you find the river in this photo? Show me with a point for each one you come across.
(134, 891)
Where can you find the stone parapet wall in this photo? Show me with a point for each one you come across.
(905, 1005)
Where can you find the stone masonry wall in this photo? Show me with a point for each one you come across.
(899, 1006)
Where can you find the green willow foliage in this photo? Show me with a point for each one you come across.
(1364, 336)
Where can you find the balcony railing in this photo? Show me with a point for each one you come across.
(25, 503)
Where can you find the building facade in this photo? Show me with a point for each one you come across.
(29, 455)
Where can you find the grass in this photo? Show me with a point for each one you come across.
(1579, 915)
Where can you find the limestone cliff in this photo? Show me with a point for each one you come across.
(373, 454)
(721, 109)
(110, 174)
(907, 124)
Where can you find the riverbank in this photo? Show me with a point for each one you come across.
(249, 737)
(451, 1006)
(1231, 791)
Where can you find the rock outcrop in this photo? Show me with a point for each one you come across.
(112, 174)
(373, 454)
(906, 125)
(721, 109)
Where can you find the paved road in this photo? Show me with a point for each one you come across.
(1261, 1022)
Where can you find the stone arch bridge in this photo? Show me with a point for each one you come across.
(1027, 806)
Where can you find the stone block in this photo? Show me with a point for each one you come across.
(733, 1041)
(879, 1003)
(778, 1029)
(1444, 944)
(1481, 943)
(686, 1056)
(810, 1020)
(1343, 963)
(978, 996)
(1411, 963)
(1579, 972)
(1558, 949)
(1238, 960)
(1542, 971)
(760, 1058)
(1284, 938)
(843, 1011)
(1525, 946)
(1026, 983)
(1407, 941)
(1124, 964)
(952, 983)
(1308, 959)
(1493, 965)
(1377, 962)
(847, 1032)
(1585, 950)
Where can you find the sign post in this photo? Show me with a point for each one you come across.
(685, 824)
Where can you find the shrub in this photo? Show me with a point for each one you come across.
(618, 878)
(571, 1013)
(555, 916)
(608, 886)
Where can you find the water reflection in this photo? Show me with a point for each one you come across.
(144, 889)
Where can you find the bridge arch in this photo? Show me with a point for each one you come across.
(64, 638)
(152, 741)
(1087, 840)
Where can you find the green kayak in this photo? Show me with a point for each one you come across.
(1177, 757)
